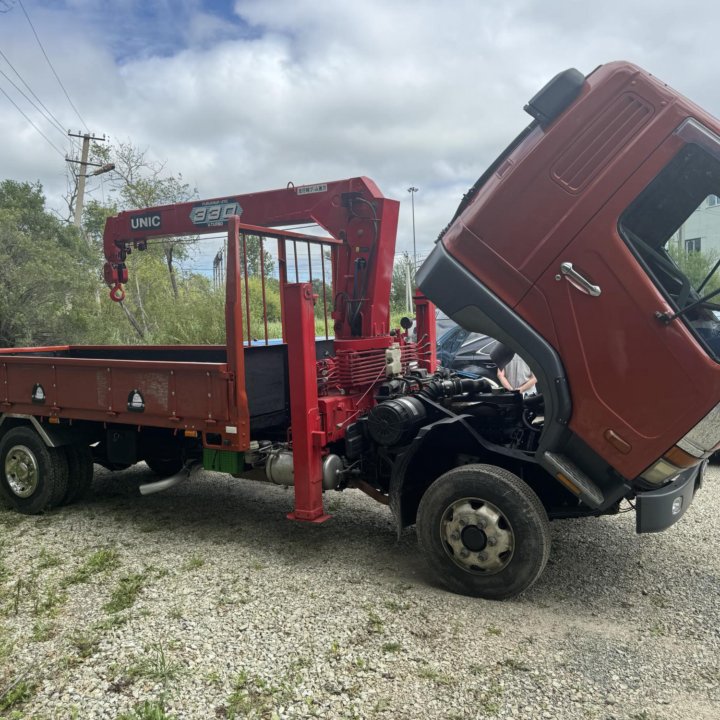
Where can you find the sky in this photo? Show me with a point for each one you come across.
(247, 95)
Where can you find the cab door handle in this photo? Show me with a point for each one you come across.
(579, 281)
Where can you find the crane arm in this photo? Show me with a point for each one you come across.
(353, 212)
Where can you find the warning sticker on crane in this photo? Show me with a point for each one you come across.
(214, 212)
(309, 189)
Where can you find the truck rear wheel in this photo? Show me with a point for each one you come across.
(80, 472)
(32, 475)
(483, 531)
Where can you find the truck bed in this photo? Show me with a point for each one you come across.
(182, 386)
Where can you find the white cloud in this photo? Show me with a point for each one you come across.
(409, 93)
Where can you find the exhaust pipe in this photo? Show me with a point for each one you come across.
(166, 483)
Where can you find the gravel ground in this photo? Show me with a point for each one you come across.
(204, 602)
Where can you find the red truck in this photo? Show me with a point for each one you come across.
(560, 251)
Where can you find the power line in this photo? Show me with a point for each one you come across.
(52, 124)
(57, 77)
(58, 124)
(59, 152)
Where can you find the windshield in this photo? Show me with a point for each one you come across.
(673, 228)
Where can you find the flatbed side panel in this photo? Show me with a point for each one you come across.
(183, 395)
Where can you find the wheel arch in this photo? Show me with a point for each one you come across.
(434, 451)
(52, 435)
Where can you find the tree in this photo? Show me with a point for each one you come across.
(399, 294)
(47, 272)
(696, 266)
(140, 183)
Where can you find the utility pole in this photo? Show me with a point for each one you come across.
(83, 162)
(412, 190)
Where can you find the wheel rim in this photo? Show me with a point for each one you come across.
(21, 471)
(477, 536)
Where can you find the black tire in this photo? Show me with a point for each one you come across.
(80, 472)
(32, 475)
(166, 464)
(452, 518)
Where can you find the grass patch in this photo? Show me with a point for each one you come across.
(429, 673)
(43, 631)
(392, 647)
(47, 560)
(100, 561)
(254, 697)
(514, 664)
(375, 623)
(489, 699)
(85, 644)
(26, 593)
(17, 693)
(147, 710)
(396, 606)
(126, 592)
(110, 623)
(193, 563)
(48, 601)
(155, 665)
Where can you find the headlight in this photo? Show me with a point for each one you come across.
(690, 450)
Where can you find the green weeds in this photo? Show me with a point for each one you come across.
(16, 693)
(193, 563)
(126, 592)
(155, 665)
(252, 696)
(100, 561)
(147, 710)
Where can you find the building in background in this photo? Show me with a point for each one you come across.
(701, 231)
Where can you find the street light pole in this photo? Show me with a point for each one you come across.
(412, 190)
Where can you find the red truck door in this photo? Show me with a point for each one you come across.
(635, 381)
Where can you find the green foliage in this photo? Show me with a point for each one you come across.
(147, 710)
(126, 592)
(16, 694)
(696, 266)
(254, 266)
(98, 562)
(398, 289)
(47, 272)
(51, 287)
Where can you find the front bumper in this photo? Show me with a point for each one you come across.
(657, 510)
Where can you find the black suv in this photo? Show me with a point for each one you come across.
(467, 352)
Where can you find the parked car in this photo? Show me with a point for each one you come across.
(467, 352)
(442, 324)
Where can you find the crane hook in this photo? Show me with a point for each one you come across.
(117, 293)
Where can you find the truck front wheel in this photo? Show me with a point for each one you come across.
(32, 476)
(483, 531)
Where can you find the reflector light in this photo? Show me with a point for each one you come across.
(677, 456)
(569, 484)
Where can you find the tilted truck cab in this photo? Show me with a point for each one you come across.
(561, 251)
